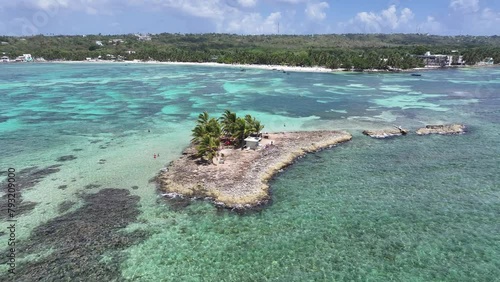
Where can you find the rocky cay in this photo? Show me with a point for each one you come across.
(442, 129)
(385, 133)
(239, 179)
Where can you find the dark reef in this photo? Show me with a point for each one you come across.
(80, 239)
(25, 179)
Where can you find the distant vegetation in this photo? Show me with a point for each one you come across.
(361, 51)
(230, 129)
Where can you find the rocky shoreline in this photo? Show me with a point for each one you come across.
(240, 178)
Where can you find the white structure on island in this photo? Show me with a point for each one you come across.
(252, 142)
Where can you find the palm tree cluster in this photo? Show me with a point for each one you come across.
(209, 132)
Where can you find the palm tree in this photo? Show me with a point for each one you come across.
(228, 121)
(198, 133)
(240, 131)
(203, 118)
(206, 135)
(213, 128)
(205, 126)
(257, 127)
(208, 147)
(254, 126)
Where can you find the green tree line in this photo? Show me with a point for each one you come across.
(358, 51)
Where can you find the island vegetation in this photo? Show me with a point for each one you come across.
(359, 51)
(210, 133)
(239, 179)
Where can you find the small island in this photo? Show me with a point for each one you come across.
(385, 133)
(230, 161)
(442, 129)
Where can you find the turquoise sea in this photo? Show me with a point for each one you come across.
(81, 138)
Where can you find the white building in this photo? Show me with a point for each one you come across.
(27, 57)
(252, 142)
(116, 41)
(99, 43)
(143, 37)
(4, 59)
(487, 61)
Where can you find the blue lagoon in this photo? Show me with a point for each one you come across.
(82, 140)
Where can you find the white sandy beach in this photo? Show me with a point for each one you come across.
(315, 69)
(212, 64)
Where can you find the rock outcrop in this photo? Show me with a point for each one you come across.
(385, 133)
(442, 129)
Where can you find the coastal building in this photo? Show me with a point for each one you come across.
(144, 37)
(4, 43)
(28, 58)
(436, 60)
(24, 58)
(4, 59)
(130, 52)
(99, 43)
(485, 62)
(252, 142)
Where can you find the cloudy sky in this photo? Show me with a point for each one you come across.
(443, 17)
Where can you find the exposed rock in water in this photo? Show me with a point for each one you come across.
(442, 129)
(92, 186)
(80, 239)
(239, 180)
(62, 187)
(66, 158)
(385, 133)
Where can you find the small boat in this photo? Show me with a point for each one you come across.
(416, 74)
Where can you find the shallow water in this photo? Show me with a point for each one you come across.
(416, 208)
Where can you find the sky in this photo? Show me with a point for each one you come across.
(70, 17)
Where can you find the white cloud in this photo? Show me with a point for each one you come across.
(431, 26)
(386, 21)
(315, 11)
(465, 6)
(467, 17)
(247, 3)
(292, 1)
(211, 9)
(254, 23)
(52, 7)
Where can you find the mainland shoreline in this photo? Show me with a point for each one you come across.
(284, 68)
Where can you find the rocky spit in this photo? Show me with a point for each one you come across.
(239, 178)
(442, 129)
(385, 133)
